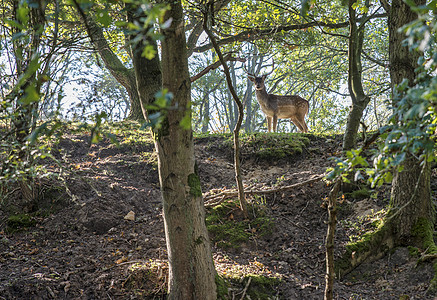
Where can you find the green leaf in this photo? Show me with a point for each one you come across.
(30, 95)
(103, 17)
(13, 23)
(149, 52)
(186, 120)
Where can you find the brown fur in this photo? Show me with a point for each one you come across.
(277, 107)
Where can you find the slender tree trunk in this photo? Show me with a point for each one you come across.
(330, 241)
(192, 273)
(26, 107)
(356, 91)
(124, 75)
(239, 121)
(206, 118)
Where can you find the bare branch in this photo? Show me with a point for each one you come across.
(214, 199)
(227, 57)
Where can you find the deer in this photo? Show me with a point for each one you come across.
(276, 107)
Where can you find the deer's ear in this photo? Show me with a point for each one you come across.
(264, 77)
(251, 78)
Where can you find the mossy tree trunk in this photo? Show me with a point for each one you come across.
(410, 219)
(411, 206)
(412, 213)
(191, 268)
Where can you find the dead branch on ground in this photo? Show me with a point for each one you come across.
(216, 199)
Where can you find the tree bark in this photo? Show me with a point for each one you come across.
(356, 91)
(330, 241)
(192, 273)
(411, 192)
(410, 219)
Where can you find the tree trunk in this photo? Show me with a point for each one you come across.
(239, 121)
(26, 106)
(356, 91)
(412, 211)
(192, 273)
(206, 118)
(124, 75)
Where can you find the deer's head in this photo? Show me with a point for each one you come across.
(258, 81)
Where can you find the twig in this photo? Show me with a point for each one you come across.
(330, 235)
(245, 288)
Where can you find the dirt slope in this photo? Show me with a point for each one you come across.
(86, 248)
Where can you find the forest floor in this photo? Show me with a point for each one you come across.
(82, 243)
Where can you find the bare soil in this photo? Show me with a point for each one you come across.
(86, 247)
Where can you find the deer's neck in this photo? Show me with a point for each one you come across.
(262, 95)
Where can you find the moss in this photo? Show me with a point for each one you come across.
(262, 287)
(432, 289)
(228, 231)
(414, 251)
(19, 222)
(222, 287)
(359, 194)
(194, 184)
(422, 231)
(371, 244)
(267, 146)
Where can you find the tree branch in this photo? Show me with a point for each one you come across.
(227, 57)
(257, 34)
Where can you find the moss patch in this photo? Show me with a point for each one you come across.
(19, 222)
(372, 244)
(222, 287)
(268, 147)
(432, 289)
(261, 146)
(423, 232)
(230, 230)
(194, 184)
(359, 194)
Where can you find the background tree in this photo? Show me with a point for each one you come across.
(122, 73)
(26, 26)
(408, 141)
(356, 91)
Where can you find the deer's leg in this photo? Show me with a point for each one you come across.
(269, 123)
(305, 127)
(275, 122)
(297, 123)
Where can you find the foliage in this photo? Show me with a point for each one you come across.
(309, 61)
(412, 126)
